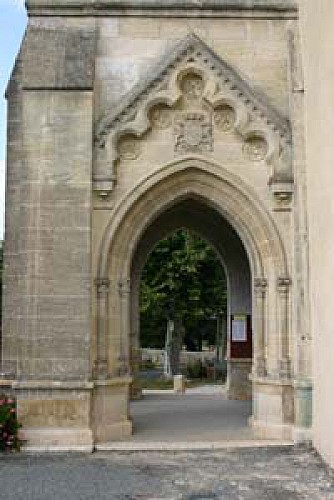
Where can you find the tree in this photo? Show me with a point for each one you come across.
(182, 280)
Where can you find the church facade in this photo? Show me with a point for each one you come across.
(128, 120)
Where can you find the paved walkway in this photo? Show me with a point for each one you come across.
(195, 416)
(201, 419)
(251, 474)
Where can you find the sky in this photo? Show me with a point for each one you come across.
(13, 21)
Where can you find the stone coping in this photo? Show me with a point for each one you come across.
(270, 381)
(240, 360)
(63, 385)
(86, 7)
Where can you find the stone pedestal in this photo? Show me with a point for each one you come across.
(179, 384)
(71, 416)
(110, 410)
(55, 416)
(302, 431)
(273, 409)
(239, 385)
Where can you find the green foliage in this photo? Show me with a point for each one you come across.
(196, 370)
(183, 279)
(9, 426)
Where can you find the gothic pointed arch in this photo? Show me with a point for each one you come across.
(233, 200)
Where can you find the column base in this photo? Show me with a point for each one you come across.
(110, 410)
(303, 411)
(239, 386)
(273, 409)
(71, 416)
(302, 435)
(55, 415)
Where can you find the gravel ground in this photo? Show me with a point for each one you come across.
(245, 474)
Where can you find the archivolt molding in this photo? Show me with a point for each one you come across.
(207, 182)
(227, 102)
(196, 176)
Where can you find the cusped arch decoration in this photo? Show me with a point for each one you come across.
(218, 188)
(199, 177)
(261, 126)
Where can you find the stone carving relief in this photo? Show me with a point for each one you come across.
(160, 118)
(192, 87)
(255, 148)
(225, 118)
(211, 93)
(193, 132)
(128, 148)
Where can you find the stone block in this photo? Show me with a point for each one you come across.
(111, 410)
(62, 58)
(131, 27)
(239, 385)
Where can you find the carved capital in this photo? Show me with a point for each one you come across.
(124, 287)
(102, 286)
(260, 285)
(283, 284)
(123, 366)
(100, 370)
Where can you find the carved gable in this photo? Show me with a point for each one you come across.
(194, 91)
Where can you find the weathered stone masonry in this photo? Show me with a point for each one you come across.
(128, 119)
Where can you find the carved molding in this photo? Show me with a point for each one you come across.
(193, 73)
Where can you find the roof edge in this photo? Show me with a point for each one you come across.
(88, 6)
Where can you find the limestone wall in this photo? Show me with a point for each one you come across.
(46, 331)
(318, 37)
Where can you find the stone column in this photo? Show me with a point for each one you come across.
(101, 363)
(283, 288)
(124, 289)
(260, 288)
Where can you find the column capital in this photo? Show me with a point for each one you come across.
(102, 286)
(260, 285)
(260, 282)
(124, 287)
(100, 369)
(283, 284)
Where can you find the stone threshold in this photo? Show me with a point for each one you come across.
(188, 446)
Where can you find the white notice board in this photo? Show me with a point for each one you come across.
(239, 328)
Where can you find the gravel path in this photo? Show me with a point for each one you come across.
(244, 474)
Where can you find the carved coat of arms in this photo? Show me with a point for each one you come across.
(193, 132)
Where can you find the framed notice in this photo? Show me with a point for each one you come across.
(239, 328)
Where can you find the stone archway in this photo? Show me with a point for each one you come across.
(234, 201)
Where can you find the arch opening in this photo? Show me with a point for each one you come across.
(193, 215)
(232, 347)
(199, 195)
